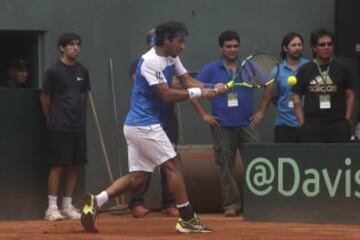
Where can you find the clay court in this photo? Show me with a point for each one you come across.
(154, 226)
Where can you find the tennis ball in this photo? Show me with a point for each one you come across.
(292, 80)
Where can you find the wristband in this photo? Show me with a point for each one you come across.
(194, 92)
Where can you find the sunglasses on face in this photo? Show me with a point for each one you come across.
(329, 44)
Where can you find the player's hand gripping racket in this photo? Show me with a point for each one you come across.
(255, 71)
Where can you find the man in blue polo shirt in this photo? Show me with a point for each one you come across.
(236, 117)
(287, 128)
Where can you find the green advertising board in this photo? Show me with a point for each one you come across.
(302, 182)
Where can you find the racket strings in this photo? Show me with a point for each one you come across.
(260, 69)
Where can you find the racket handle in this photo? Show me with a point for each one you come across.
(229, 84)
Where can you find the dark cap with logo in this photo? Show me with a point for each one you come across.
(18, 63)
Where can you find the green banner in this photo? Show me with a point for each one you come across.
(302, 182)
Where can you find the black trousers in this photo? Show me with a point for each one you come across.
(336, 132)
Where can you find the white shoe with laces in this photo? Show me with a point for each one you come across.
(71, 212)
(53, 214)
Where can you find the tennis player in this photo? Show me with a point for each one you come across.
(148, 144)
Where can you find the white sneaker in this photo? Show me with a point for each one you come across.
(53, 214)
(71, 212)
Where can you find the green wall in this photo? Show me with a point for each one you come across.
(115, 30)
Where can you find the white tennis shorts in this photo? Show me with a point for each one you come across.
(148, 147)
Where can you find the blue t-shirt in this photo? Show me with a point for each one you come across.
(147, 107)
(229, 116)
(285, 113)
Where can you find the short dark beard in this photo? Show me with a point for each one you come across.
(292, 57)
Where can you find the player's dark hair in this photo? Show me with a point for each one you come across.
(66, 38)
(169, 30)
(228, 36)
(286, 40)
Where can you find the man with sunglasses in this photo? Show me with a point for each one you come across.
(327, 89)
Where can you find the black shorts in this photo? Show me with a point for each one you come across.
(67, 148)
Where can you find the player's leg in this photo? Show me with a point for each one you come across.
(175, 181)
(171, 129)
(167, 200)
(120, 186)
(136, 203)
(131, 181)
(144, 149)
(188, 221)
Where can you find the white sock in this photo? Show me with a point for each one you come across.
(102, 198)
(66, 202)
(52, 202)
(182, 205)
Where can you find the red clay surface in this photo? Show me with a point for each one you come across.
(154, 226)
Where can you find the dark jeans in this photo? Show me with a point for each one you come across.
(287, 134)
(337, 132)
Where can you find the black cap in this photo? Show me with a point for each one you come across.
(18, 63)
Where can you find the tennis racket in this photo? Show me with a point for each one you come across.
(255, 71)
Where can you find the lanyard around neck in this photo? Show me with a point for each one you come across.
(323, 74)
(233, 74)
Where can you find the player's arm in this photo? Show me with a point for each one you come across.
(171, 95)
(264, 105)
(186, 81)
(184, 84)
(298, 109)
(196, 105)
(350, 104)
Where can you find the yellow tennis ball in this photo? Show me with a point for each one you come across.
(292, 80)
